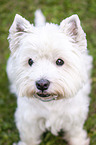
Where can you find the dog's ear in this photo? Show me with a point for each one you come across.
(20, 24)
(72, 28)
(19, 27)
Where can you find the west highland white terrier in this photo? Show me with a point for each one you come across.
(49, 71)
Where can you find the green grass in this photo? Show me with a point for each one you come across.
(55, 11)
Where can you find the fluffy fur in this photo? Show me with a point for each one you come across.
(67, 107)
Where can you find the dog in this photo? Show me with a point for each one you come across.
(49, 71)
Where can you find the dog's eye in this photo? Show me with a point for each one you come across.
(59, 62)
(30, 62)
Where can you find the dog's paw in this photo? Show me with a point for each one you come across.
(87, 142)
(79, 142)
(19, 143)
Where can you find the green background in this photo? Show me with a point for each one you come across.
(55, 11)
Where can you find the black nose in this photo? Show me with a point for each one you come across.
(42, 84)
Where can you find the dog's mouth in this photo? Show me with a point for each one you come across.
(45, 97)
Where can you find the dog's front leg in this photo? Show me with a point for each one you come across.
(77, 136)
(29, 135)
(29, 128)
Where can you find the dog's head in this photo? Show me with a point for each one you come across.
(47, 62)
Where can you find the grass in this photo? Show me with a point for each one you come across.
(55, 11)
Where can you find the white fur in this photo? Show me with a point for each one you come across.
(70, 83)
(39, 18)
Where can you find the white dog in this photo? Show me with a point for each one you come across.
(49, 71)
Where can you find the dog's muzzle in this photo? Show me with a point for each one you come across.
(45, 97)
(42, 94)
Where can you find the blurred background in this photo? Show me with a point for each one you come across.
(55, 11)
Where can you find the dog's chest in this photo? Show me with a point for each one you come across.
(51, 115)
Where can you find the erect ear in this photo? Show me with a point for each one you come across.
(19, 27)
(72, 28)
(20, 24)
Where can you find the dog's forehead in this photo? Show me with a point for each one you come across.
(47, 38)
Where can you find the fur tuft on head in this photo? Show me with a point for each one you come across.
(39, 18)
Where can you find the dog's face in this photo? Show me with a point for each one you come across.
(47, 61)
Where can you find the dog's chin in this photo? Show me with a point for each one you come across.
(45, 97)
